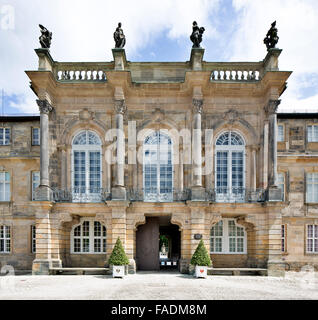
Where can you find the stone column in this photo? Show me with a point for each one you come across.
(265, 158)
(254, 169)
(274, 194)
(118, 191)
(63, 168)
(197, 189)
(44, 192)
(181, 168)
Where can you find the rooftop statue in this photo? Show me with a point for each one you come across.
(271, 38)
(196, 36)
(119, 37)
(45, 38)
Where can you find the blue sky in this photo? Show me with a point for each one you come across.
(159, 31)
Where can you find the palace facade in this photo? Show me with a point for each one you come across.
(159, 152)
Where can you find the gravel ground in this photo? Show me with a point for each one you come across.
(159, 286)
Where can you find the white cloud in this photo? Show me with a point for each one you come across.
(83, 31)
(297, 23)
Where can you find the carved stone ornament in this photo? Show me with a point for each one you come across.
(231, 116)
(120, 106)
(158, 115)
(197, 105)
(196, 36)
(272, 106)
(44, 106)
(45, 38)
(86, 115)
(119, 37)
(271, 38)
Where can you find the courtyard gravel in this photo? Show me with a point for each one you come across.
(160, 286)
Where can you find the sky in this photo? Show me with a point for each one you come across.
(158, 31)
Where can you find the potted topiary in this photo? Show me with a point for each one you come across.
(118, 260)
(201, 260)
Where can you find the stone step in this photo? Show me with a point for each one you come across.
(237, 271)
(79, 271)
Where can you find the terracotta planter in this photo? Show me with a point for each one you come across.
(118, 271)
(201, 271)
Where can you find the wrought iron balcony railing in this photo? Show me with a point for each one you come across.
(163, 195)
(81, 195)
(221, 195)
(238, 194)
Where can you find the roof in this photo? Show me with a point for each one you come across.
(19, 118)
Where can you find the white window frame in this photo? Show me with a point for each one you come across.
(157, 197)
(36, 142)
(5, 239)
(3, 141)
(313, 197)
(284, 238)
(226, 238)
(229, 196)
(35, 183)
(87, 196)
(312, 133)
(313, 238)
(33, 238)
(280, 133)
(6, 186)
(281, 184)
(91, 237)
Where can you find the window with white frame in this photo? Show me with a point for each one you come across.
(312, 238)
(312, 187)
(280, 133)
(5, 192)
(35, 182)
(35, 136)
(284, 227)
(5, 239)
(230, 167)
(227, 238)
(158, 168)
(86, 167)
(88, 237)
(312, 133)
(281, 184)
(4, 136)
(33, 239)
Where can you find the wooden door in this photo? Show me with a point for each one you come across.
(147, 245)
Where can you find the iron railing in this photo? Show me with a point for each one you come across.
(221, 195)
(81, 195)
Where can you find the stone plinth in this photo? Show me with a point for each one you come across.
(119, 58)
(196, 58)
(45, 60)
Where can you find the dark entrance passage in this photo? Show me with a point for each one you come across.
(158, 244)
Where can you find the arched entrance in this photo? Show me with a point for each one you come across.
(158, 244)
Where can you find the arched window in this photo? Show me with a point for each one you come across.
(230, 167)
(228, 238)
(86, 167)
(158, 171)
(88, 237)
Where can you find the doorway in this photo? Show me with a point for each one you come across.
(158, 244)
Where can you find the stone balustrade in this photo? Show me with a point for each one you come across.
(236, 72)
(94, 72)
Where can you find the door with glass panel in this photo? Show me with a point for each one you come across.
(158, 171)
(86, 167)
(229, 168)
